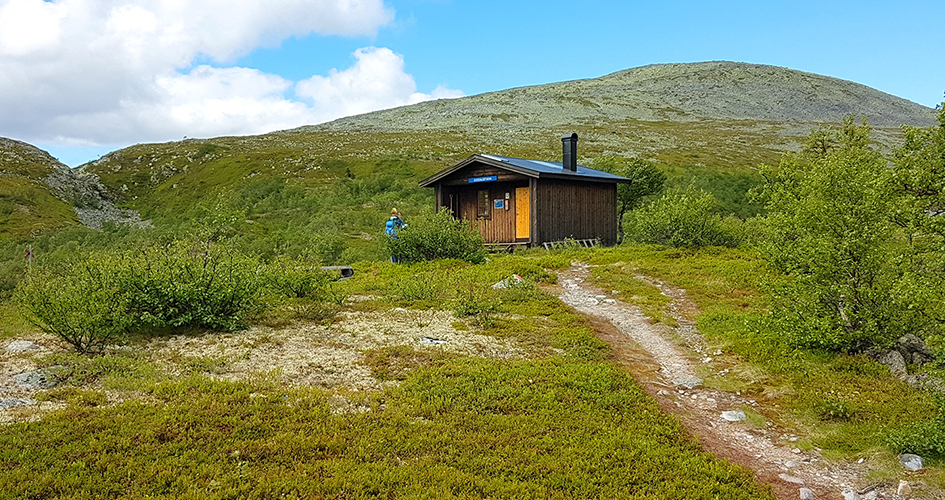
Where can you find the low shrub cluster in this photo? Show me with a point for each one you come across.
(189, 284)
(82, 303)
(96, 300)
(437, 236)
(686, 218)
(456, 428)
(926, 439)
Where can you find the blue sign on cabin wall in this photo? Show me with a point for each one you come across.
(473, 180)
(498, 204)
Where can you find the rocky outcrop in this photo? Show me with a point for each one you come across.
(92, 202)
(913, 350)
(910, 350)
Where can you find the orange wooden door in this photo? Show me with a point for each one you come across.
(523, 221)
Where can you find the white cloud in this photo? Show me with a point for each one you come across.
(110, 71)
(213, 101)
(376, 81)
(29, 27)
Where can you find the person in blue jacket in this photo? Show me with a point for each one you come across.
(393, 224)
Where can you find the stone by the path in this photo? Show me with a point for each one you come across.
(14, 402)
(734, 416)
(911, 462)
(790, 464)
(904, 490)
(806, 494)
(22, 346)
(41, 379)
(688, 383)
(850, 495)
(791, 479)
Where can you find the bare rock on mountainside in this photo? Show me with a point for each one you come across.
(25, 160)
(40, 193)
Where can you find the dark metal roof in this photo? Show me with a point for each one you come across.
(530, 168)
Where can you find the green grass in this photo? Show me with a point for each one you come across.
(12, 323)
(464, 429)
(561, 424)
(27, 208)
(847, 405)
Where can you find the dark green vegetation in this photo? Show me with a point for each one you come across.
(437, 236)
(860, 238)
(687, 218)
(95, 300)
(560, 423)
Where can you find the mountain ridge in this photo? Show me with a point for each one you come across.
(681, 92)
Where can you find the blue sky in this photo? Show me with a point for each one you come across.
(84, 77)
(481, 46)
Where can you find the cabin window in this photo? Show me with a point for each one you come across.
(484, 204)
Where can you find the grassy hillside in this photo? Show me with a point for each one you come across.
(554, 415)
(326, 189)
(705, 124)
(28, 204)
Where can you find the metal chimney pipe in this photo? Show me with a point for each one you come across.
(569, 152)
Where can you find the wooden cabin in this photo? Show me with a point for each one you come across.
(518, 202)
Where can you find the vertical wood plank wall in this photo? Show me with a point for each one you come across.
(559, 209)
(579, 211)
(500, 227)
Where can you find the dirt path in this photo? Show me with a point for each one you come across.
(667, 362)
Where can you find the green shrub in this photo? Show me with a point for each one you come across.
(82, 303)
(476, 304)
(922, 438)
(297, 279)
(95, 300)
(834, 408)
(418, 287)
(682, 219)
(303, 289)
(833, 230)
(437, 236)
(190, 284)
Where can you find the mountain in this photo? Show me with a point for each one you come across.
(663, 92)
(706, 124)
(653, 110)
(29, 203)
(38, 193)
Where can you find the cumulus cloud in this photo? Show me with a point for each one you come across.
(376, 81)
(117, 71)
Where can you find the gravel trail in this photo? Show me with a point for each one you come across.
(669, 368)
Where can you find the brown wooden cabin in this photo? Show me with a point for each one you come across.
(517, 202)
